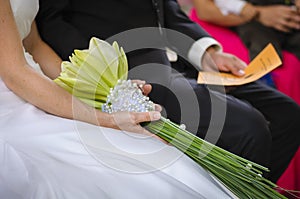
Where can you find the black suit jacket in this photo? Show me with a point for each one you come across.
(69, 24)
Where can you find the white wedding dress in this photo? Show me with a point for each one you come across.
(47, 157)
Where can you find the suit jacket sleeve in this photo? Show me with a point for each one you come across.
(52, 21)
(176, 19)
(194, 40)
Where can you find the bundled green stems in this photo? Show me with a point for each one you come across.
(241, 176)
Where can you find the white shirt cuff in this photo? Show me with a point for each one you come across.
(198, 49)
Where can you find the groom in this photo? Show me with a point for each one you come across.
(251, 120)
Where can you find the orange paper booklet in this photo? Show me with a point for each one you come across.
(266, 61)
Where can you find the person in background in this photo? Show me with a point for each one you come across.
(276, 22)
(254, 126)
(225, 13)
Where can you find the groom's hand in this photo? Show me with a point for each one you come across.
(214, 60)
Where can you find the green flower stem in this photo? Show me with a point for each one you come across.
(241, 176)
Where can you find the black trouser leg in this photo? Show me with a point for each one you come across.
(230, 123)
(283, 115)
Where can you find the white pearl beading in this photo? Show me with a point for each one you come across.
(127, 96)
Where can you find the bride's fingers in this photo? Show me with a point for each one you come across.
(145, 132)
(146, 89)
(138, 82)
(130, 122)
(157, 107)
(151, 116)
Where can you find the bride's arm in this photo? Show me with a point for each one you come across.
(42, 91)
(48, 60)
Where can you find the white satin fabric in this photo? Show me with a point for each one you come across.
(47, 157)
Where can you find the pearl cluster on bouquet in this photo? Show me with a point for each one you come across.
(127, 96)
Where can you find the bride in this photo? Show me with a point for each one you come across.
(48, 151)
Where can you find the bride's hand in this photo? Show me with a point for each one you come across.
(130, 121)
(145, 88)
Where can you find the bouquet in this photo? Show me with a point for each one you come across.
(98, 77)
